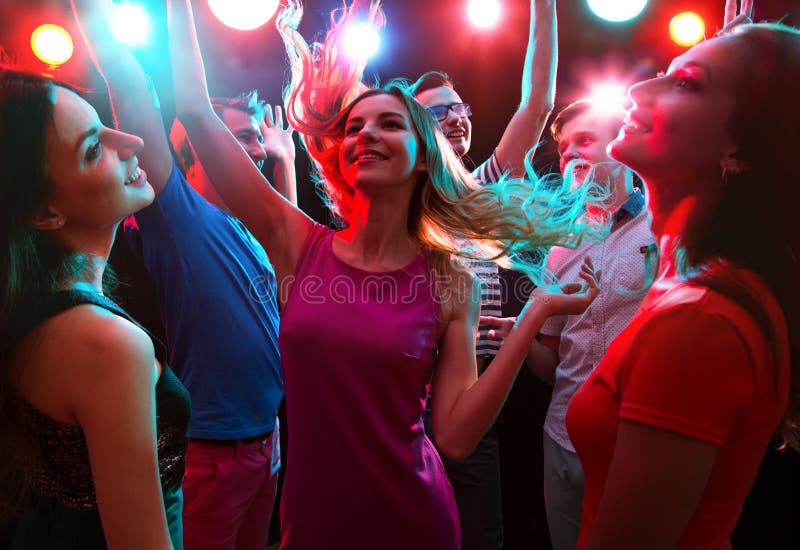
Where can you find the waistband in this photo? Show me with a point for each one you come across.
(234, 442)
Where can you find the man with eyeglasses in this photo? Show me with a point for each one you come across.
(476, 480)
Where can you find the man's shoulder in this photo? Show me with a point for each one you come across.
(489, 171)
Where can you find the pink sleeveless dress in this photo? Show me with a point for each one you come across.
(357, 353)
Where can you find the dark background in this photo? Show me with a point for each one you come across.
(486, 66)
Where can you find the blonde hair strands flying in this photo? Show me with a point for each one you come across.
(450, 213)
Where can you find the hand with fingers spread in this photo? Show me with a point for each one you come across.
(278, 135)
(734, 16)
(279, 145)
(570, 298)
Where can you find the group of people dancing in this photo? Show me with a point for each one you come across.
(668, 322)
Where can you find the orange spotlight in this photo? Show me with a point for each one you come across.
(687, 28)
(52, 44)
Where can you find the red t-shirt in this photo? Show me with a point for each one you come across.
(695, 363)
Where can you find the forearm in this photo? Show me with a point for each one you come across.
(538, 89)
(541, 58)
(285, 179)
(188, 73)
(133, 101)
(542, 361)
(221, 156)
(478, 406)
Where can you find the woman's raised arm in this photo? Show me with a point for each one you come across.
(279, 226)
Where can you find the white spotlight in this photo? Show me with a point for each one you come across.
(243, 15)
(617, 10)
(609, 97)
(484, 13)
(130, 24)
(361, 41)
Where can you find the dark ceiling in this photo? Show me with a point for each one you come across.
(420, 35)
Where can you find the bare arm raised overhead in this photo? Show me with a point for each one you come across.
(538, 89)
(278, 225)
(133, 99)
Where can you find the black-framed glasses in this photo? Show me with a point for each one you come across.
(439, 112)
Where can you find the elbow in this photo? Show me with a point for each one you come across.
(545, 373)
(191, 109)
(455, 453)
(187, 112)
(452, 449)
(541, 110)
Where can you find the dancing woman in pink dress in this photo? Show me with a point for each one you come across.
(377, 311)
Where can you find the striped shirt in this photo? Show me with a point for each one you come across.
(487, 272)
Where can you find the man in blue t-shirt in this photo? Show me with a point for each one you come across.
(217, 296)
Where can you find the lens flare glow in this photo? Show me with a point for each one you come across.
(130, 24)
(617, 10)
(687, 28)
(361, 41)
(243, 15)
(484, 13)
(609, 97)
(52, 44)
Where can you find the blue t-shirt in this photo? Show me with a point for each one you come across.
(217, 294)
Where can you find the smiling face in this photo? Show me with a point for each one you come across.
(245, 128)
(583, 141)
(678, 127)
(93, 170)
(380, 145)
(457, 130)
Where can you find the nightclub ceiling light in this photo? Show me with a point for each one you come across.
(609, 97)
(361, 41)
(617, 10)
(243, 15)
(130, 24)
(687, 28)
(52, 44)
(484, 13)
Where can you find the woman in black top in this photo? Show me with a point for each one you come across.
(92, 421)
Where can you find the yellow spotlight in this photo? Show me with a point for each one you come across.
(687, 28)
(52, 44)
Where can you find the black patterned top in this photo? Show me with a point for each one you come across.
(63, 473)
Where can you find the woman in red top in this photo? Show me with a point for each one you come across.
(673, 423)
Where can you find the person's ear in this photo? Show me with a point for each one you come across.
(47, 218)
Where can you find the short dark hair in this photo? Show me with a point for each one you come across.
(246, 102)
(571, 111)
(430, 80)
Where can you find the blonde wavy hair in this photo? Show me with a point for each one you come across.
(451, 215)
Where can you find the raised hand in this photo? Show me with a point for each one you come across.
(278, 142)
(279, 145)
(734, 16)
